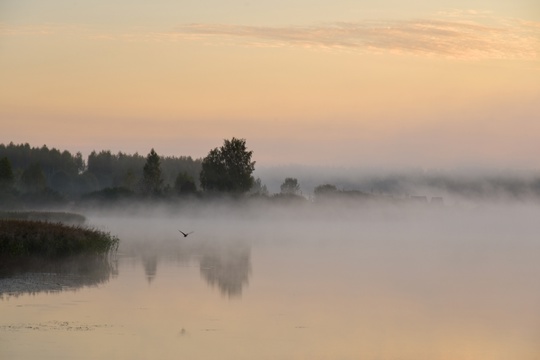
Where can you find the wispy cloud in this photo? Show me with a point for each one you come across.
(458, 34)
(510, 39)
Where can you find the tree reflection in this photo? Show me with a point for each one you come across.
(227, 267)
(223, 263)
(37, 275)
(150, 267)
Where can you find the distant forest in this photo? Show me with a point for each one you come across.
(42, 169)
(34, 176)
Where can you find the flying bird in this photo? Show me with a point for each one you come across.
(185, 234)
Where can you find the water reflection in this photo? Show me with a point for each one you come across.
(35, 275)
(224, 264)
(227, 268)
(150, 263)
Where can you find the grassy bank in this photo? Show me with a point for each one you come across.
(20, 238)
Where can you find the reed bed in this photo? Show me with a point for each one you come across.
(20, 238)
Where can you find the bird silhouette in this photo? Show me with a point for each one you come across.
(185, 234)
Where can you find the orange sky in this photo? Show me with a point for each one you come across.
(345, 84)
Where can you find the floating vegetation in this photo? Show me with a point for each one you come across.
(54, 325)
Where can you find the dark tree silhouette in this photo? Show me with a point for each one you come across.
(259, 188)
(51, 161)
(290, 186)
(6, 174)
(114, 170)
(184, 184)
(152, 183)
(129, 180)
(228, 168)
(33, 179)
(102, 166)
(69, 174)
(61, 182)
(325, 189)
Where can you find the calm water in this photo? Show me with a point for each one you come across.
(385, 284)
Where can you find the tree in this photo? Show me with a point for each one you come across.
(61, 182)
(87, 182)
(184, 184)
(33, 179)
(152, 183)
(129, 180)
(228, 168)
(79, 162)
(6, 174)
(102, 166)
(50, 160)
(290, 186)
(325, 189)
(259, 188)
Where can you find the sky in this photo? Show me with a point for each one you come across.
(431, 84)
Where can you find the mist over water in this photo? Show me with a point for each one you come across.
(462, 185)
(259, 280)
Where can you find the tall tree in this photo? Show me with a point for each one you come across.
(102, 166)
(228, 168)
(152, 183)
(6, 174)
(184, 184)
(129, 180)
(33, 179)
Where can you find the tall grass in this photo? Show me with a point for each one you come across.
(19, 238)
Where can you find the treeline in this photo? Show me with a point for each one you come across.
(107, 170)
(44, 175)
(32, 176)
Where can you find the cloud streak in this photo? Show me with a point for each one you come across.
(467, 35)
(508, 39)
